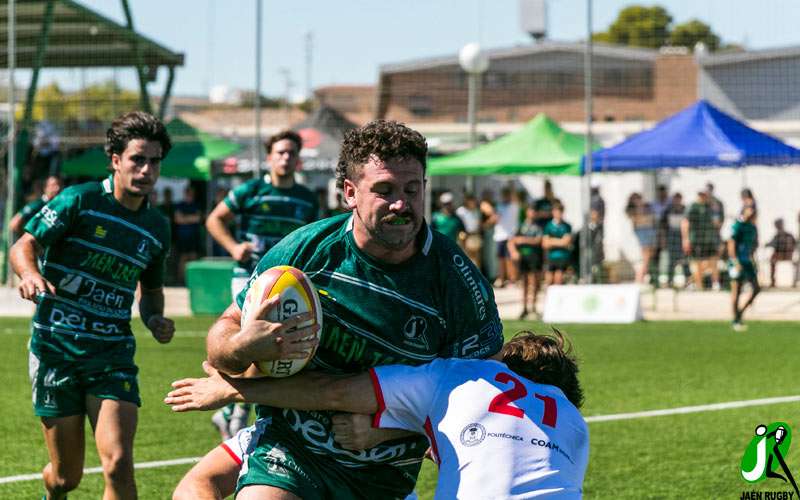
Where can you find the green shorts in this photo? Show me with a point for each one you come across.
(747, 273)
(279, 460)
(60, 387)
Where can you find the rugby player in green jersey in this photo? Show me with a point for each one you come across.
(392, 291)
(268, 209)
(98, 241)
(741, 247)
(52, 187)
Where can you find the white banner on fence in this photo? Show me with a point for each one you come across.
(592, 304)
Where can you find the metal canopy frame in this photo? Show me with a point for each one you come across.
(65, 34)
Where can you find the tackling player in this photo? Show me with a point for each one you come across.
(497, 430)
(392, 291)
(99, 241)
(268, 209)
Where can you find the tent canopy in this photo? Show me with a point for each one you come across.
(540, 147)
(322, 132)
(699, 136)
(190, 157)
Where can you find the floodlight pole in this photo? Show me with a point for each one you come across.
(144, 96)
(10, 143)
(586, 246)
(257, 102)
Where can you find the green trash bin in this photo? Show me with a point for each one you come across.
(209, 283)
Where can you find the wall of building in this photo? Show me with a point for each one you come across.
(756, 90)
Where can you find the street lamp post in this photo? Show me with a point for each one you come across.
(474, 62)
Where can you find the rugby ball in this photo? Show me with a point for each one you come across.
(297, 295)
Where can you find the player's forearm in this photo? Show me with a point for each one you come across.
(151, 304)
(223, 348)
(219, 231)
(16, 224)
(309, 391)
(23, 256)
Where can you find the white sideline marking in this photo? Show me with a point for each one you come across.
(97, 470)
(693, 409)
(596, 418)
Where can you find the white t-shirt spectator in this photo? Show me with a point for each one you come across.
(470, 218)
(507, 221)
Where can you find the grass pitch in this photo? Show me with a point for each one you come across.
(623, 369)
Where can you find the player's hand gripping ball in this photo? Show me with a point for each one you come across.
(297, 295)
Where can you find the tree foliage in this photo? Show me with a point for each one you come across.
(651, 27)
(100, 102)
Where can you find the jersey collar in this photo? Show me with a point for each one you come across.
(108, 188)
(426, 246)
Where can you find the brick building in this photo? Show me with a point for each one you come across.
(355, 102)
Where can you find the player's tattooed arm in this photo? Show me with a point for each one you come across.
(151, 308)
(23, 255)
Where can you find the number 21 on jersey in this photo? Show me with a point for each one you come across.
(502, 402)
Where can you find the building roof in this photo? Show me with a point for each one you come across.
(724, 58)
(79, 37)
(598, 49)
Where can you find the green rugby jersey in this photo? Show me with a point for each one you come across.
(745, 236)
(436, 304)
(268, 213)
(31, 209)
(557, 230)
(96, 251)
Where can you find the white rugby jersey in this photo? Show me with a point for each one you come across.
(493, 433)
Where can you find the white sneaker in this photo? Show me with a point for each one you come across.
(222, 424)
(239, 417)
(715, 286)
(739, 327)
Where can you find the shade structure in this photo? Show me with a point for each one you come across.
(699, 136)
(190, 157)
(322, 133)
(540, 147)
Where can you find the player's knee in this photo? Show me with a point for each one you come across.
(63, 481)
(118, 467)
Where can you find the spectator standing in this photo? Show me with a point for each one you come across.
(718, 218)
(748, 200)
(544, 205)
(506, 227)
(167, 209)
(557, 242)
(782, 244)
(52, 187)
(488, 221)
(597, 203)
(446, 221)
(674, 217)
(643, 220)
(470, 216)
(699, 239)
(525, 250)
(596, 235)
(187, 231)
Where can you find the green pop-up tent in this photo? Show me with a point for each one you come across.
(190, 157)
(540, 147)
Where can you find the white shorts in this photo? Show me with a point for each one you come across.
(245, 441)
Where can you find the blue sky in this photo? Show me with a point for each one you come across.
(353, 38)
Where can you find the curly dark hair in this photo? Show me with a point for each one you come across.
(545, 359)
(387, 140)
(136, 125)
(286, 134)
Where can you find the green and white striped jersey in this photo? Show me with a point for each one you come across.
(436, 304)
(96, 251)
(268, 213)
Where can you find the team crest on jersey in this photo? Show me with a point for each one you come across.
(100, 232)
(141, 250)
(414, 332)
(473, 434)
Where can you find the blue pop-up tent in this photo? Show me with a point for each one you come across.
(699, 136)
